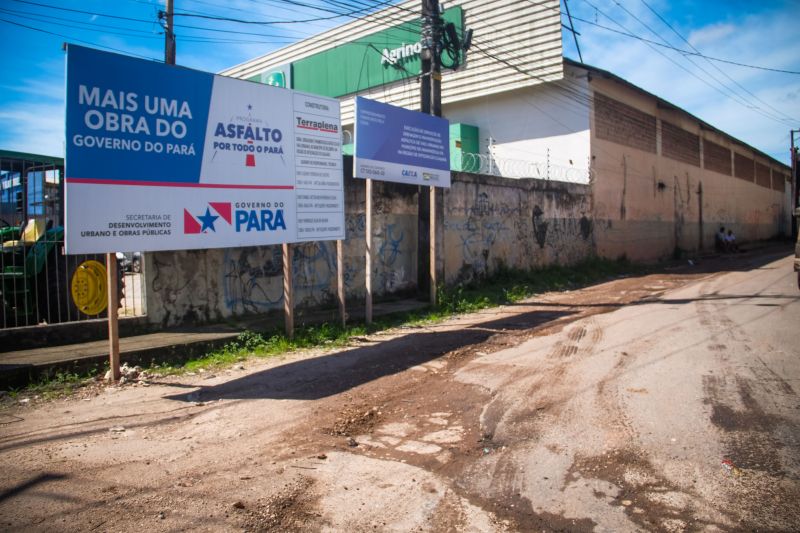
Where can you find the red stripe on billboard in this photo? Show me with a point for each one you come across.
(136, 183)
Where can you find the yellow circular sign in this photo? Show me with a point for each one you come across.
(89, 287)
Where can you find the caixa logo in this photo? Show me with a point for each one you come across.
(243, 216)
(409, 173)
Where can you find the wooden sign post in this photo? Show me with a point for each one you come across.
(113, 315)
(340, 280)
(288, 291)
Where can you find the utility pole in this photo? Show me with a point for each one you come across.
(431, 104)
(169, 34)
(431, 78)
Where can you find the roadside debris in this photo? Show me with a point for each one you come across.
(355, 420)
(117, 429)
(731, 468)
(128, 374)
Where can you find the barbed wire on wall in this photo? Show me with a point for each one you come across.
(505, 167)
(522, 168)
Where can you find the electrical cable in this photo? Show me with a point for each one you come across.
(86, 26)
(258, 22)
(118, 17)
(684, 51)
(731, 94)
(103, 27)
(694, 75)
(77, 40)
(667, 24)
(569, 93)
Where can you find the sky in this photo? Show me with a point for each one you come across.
(754, 105)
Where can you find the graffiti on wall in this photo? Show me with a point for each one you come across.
(539, 226)
(477, 231)
(393, 261)
(314, 272)
(485, 227)
(516, 228)
(252, 278)
(176, 282)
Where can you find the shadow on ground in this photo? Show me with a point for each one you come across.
(323, 376)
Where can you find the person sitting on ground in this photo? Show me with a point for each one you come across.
(720, 241)
(730, 241)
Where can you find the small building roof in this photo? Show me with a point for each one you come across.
(36, 158)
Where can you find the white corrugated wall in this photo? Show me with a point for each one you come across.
(524, 36)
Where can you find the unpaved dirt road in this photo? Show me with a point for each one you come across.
(666, 402)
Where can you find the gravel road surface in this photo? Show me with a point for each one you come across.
(666, 402)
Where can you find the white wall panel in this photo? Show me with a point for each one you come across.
(524, 38)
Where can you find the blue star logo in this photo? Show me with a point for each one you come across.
(208, 221)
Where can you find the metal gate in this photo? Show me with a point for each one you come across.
(38, 283)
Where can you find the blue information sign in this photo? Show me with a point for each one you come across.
(395, 144)
(166, 158)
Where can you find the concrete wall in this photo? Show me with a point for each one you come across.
(492, 222)
(655, 188)
(485, 222)
(196, 286)
(661, 181)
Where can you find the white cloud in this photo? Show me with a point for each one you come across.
(710, 34)
(664, 72)
(33, 128)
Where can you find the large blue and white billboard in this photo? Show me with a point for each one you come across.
(395, 144)
(166, 158)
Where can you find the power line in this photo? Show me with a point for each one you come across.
(76, 40)
(730, 93)
(118, 17)
(684, 51)
(668, 25)
(189, 38)
(86, 26)
(351, 14)
(365, 9)
(574, 95)
(259, 22)
(572, 29)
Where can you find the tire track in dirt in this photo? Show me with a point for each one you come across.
(759, 444)
(419, 422)
(644, 494)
